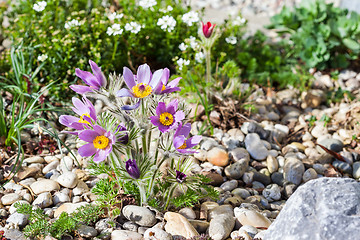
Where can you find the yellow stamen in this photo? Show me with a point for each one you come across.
(81, 120)
(141, 90)
(166, 118)
(182, 146)
(163, 87)
(101, 142)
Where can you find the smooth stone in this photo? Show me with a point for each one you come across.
(324, 201)
(342, 166)
(200, 226)
(26, 172)
(283, 128)
(80, 188)
(240, 153)
(356, 170)
(241, 234)
(188, 212)
(131, 226)
(43, 200)
(272, 164)
(52, 165)
(216, 179)
(249, 177)
(221, 226)
(14, 234)
(103, 224)
(255, 147)
(229, 185)
(140, 215)
(254, 127)
(66, 164)
(34, 159)
(257, 185)
(237, 169)
(293, 171)
(236, 134)
(289, 189)
(272, 192)
(68, 208)
(234, 201)
(278, 178)
(319, 168)
(10, 198)
(44, 185)
(218, 157)
(201, 155)
(241, 192)
(251, 217)
(156, 233)
(18, 219)
(86, 231)
(68, 179)
(28, 181)
(176, 224)
(49, 159)
(309, 174)
(331, 144)
(13, 186)
(205, 208)
(318, 131)
(252, 231)
(208, 144)
(125, 235)
(60, 197)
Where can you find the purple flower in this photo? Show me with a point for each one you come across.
(167, 116)
(132, 168)
(182, 144)
(141, 85)
(180, 177)
(99, 143)
(123, 138)
(94, 81)
(85, 109)
(164, 86)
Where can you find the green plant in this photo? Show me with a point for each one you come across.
(40, 227)
(326, 119)
(323, 36)
(312, 121)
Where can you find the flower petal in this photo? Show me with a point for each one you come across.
(178, 141)
(67, 120)
(183, 130)
(80, 108)
(124, 93)
(99, 130)
(87, 150)
(91, 108)
(88, 78)
(179, 116)
(172, 106)
(193, 141)
(98, 74)
(143, 74)
(101, 155)
(155, 80)
(88, 135)
(174, 82)
(129, 78)
(161, 108)
(131, 107)
(81, 89)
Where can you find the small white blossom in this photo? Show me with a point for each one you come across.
(167, 23)
(114, 15)
(145, 4)
(199, 57)
(114, 30)
(40, 6)
(72, 23)
(168, 9)
(190, 18)
(232, 40)
(42, 57)
(193, 43)
(181, 62)
(183, 46)
(133, 27)
(239, 21)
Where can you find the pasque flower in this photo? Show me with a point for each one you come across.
(99, 143)
(167, 117)
(181, 143)
(165, 87)
(94, 81)
(180, 176)
(85, 109)
(208, 29)
(141, 85)
(132, 168)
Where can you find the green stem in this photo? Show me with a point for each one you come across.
(171, 191)
(208, 66)
(114, 50)
(152, 180)
(142, 191)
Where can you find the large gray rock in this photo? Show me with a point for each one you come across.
(324, 208)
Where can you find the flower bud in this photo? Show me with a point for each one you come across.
(208, 29)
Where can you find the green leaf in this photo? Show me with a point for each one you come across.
(352, 44)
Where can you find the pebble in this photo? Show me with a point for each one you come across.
(272, 164)
(12, 208)
(188, 212)
(218, 157)
(251, 217)
(34, 159)
(238, 154)
(241, 192)
(131, 226)
(176, 224)
(125, 235)
(18, 219)
(43, 200)
(342, 166)
(68, 179)
(26, 172)
(331, 144)
(60, 197)
(237, 169)
(44, 185)
(86, 231)
(156, 233)
(68, 208)
(10, 198)
(272, 192)
(356, 170)
(52, 165)
(255, 147)
(293, 171)
(309, 174)
(221, 226)
(140, 215)
(66, 164)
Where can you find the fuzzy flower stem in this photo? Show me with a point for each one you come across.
(208, 67)
(152, 180)
(168, 197)
(142, 191)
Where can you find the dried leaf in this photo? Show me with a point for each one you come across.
(334, 154)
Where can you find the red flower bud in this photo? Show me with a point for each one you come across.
(208, 29)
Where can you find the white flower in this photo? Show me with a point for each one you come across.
(190, 18)
(167, 23)
(72, 23)
(232, 40)
(114, 15)
(239, 21)
(42, 57)
(199, 57)
(181, 62)
(40, 6)
(133, 27)
(193, 43)
(168, 9)
(183, 46)
(114, 30)
(145, 4)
